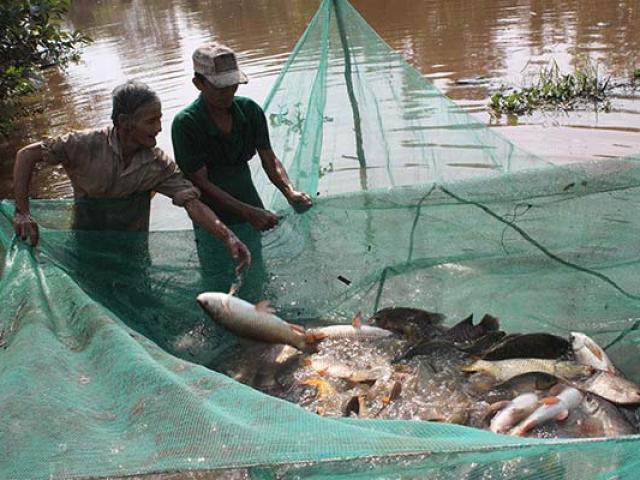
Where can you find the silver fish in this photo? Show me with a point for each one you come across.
(602, 419)
(256, 322)
(511, 412)
(332, 368)
(614, 388)
(588, 352)
(504, 370)
(555, 407)
(363, 332)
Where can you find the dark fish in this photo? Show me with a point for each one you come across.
(466, 331)
(527, 382)
(352, 406)
(428, 347)
(483, 343)
(413, 323)
(530, 345)
(464, 336)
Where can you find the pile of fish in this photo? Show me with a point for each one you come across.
(403, 363)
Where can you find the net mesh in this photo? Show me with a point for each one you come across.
(104, 352)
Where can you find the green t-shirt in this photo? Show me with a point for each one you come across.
(198, 142)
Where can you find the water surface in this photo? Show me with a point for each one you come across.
(468, 49)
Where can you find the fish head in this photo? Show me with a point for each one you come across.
(591, 405)
(214, 303)
(578, 341)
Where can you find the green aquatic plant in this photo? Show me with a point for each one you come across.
(553, 89)
(636, 73)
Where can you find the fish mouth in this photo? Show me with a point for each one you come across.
(200, 300)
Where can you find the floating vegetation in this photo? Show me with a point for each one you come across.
(636, 73)
(552, 89)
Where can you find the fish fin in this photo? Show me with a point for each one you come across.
(352, 406)
(226, 304)
(264, 306)
(356, 321)
(550, 400)
(235, 287)
(523, 428)
(396, 390)
(313, 336)
(562, 415)
(556, 389)
(494, 407)
(466, 321)
(489, 323)
(297, 328)
(473, 367)
(596, 351)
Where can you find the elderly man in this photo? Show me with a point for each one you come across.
(120, 162)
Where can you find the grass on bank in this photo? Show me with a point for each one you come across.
(552, 89)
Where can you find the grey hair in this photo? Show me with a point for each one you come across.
(129, 97)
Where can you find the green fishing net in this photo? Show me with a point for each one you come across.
(104, 352)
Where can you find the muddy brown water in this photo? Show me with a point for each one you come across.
(467, 49)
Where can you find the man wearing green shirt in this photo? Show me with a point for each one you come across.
(213, 140)
(215, 137)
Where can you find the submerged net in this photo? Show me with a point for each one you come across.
(104, 352)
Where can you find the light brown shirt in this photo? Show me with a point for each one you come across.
(109, 194)
(94, 164)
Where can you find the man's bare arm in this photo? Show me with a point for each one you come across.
(207, 219)
(261, 219)
(26, 160)
(278, 176)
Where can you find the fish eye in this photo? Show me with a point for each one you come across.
(591, 405)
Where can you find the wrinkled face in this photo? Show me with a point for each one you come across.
(219, 98)
(143, 126)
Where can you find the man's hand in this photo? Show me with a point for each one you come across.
(239, 252)
(300, 201)
(262, 219)
(26, 227)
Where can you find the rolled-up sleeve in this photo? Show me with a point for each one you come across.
(174, 184)
(65, 148)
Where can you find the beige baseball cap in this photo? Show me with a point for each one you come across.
(218, 64)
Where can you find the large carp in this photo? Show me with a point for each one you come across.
(256, 322)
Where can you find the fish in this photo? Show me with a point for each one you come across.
(466, 331)
(511, 412)
(504, 370)
(601, 418)
(529, 345)
(364, 332)
(611, 387)
(355, 331)
(412, 323)
(556, 407)
(255, 322)
(588, 352)
(355, 405)
(527, 382)
(332, 368)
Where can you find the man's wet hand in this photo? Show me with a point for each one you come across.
(262, 219)
(239, 252)
(26, 227)
(300, 201)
